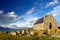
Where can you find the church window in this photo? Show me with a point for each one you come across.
(50, 26)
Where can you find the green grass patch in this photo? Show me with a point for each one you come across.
(4, 36)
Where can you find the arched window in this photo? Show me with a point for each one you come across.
(50, 26)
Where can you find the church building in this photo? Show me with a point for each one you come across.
(47, 25)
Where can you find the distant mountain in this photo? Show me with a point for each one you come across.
(4, 29)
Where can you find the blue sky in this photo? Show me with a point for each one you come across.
(24, 13)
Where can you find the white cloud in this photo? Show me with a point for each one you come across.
(27, 20)
(16, 21)
(54, 2)
(56, 13)
(27, 23)
(9, 18)
(11, 14)
(30, 11)
(1, 11)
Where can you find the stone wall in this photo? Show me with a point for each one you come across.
(39, 26)
(50, 19)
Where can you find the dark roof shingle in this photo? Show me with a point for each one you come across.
(39, 21)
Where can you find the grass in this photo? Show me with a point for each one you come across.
(4, 36)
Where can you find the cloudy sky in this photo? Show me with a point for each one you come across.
(24, 13)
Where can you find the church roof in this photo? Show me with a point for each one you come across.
(39, 21)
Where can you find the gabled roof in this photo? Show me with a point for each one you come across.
(42, 19)
(39, 21)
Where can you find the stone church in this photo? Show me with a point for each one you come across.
(47, 25)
